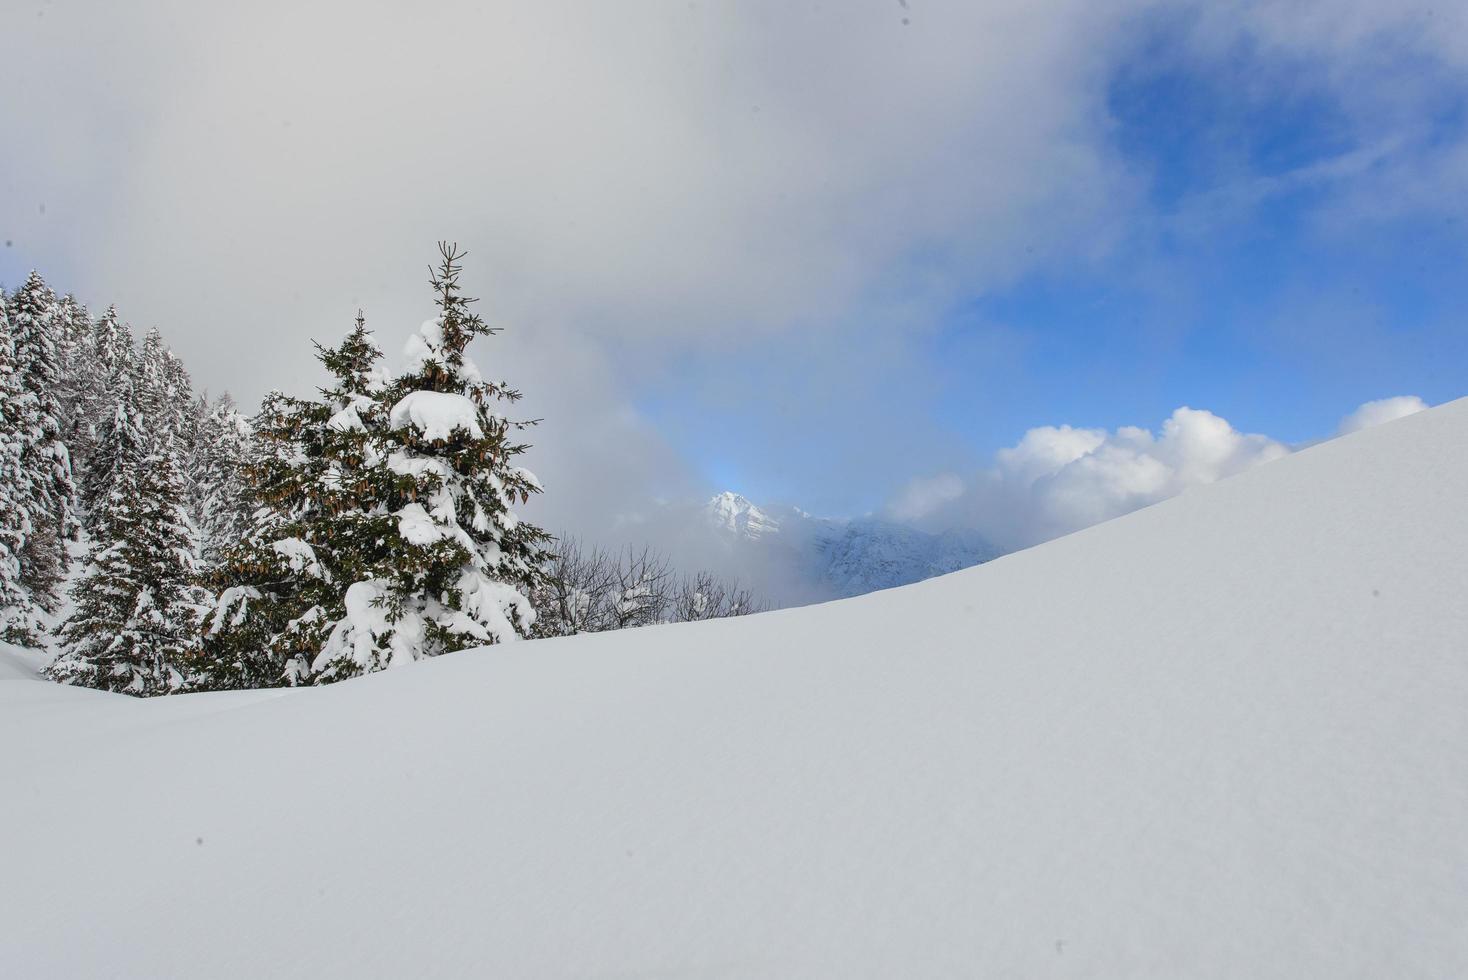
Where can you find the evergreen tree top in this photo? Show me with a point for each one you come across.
(32, 316)
(113, 338)
(74, 315)
(353, 363)
(153, 345)
(35, 287)
(437, 353)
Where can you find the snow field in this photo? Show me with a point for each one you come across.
(1224, 736)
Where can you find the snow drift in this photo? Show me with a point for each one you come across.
(1224, 736)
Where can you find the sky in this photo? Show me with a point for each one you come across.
(953, 262)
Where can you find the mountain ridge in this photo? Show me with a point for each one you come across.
(841, 558)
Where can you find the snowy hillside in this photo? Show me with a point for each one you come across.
(1221, 737)
(824, 558)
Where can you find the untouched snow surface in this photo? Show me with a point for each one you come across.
(21, 663)
(1226, 736)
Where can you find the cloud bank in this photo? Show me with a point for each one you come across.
(1381, 411)
(1060, 479)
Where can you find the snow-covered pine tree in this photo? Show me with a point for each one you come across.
(461, 565)
(114, 351)
(152, 383)
(255, 592)
(112, 354)
(183, 417)
(318, 472)
(195, 463)
(113, 363)
(218, 500)
(121, 441)
(165, 392)
(75, 326)
(16, 609)
(135, 611)
(45, 461)
(74, 345)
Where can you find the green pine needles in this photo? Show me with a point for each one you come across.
(384, 531)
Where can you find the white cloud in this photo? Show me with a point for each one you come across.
(642, 170)
(1383, 410)
(1059, 479)
(925, 494)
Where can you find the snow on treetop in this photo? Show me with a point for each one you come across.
(300, 555)
(349, 419)
(426, 347)
(417, 527)
(366, 338)
(403, 464)
(430, 333)
(529, 478)
(241, 425)
(423, 347)
(436, 414)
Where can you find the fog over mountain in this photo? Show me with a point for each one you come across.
(796, 557)
(1054, 481)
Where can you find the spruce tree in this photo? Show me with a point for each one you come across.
(135, 612)
(114, 352)
(460, 565)
(74, 345)
(16, 609)
(112, 358)
(45, 462)
(218, 498)
(165, 392)
(384, 530)
(182, 417)
(253, 596)
(197, 463)
(151, 370)
(121, 442)
(319, 477)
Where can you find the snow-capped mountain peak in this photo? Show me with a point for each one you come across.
(738, 515)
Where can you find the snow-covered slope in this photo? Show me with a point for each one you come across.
(1225, 736)
(807, 557)
(21, 663)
